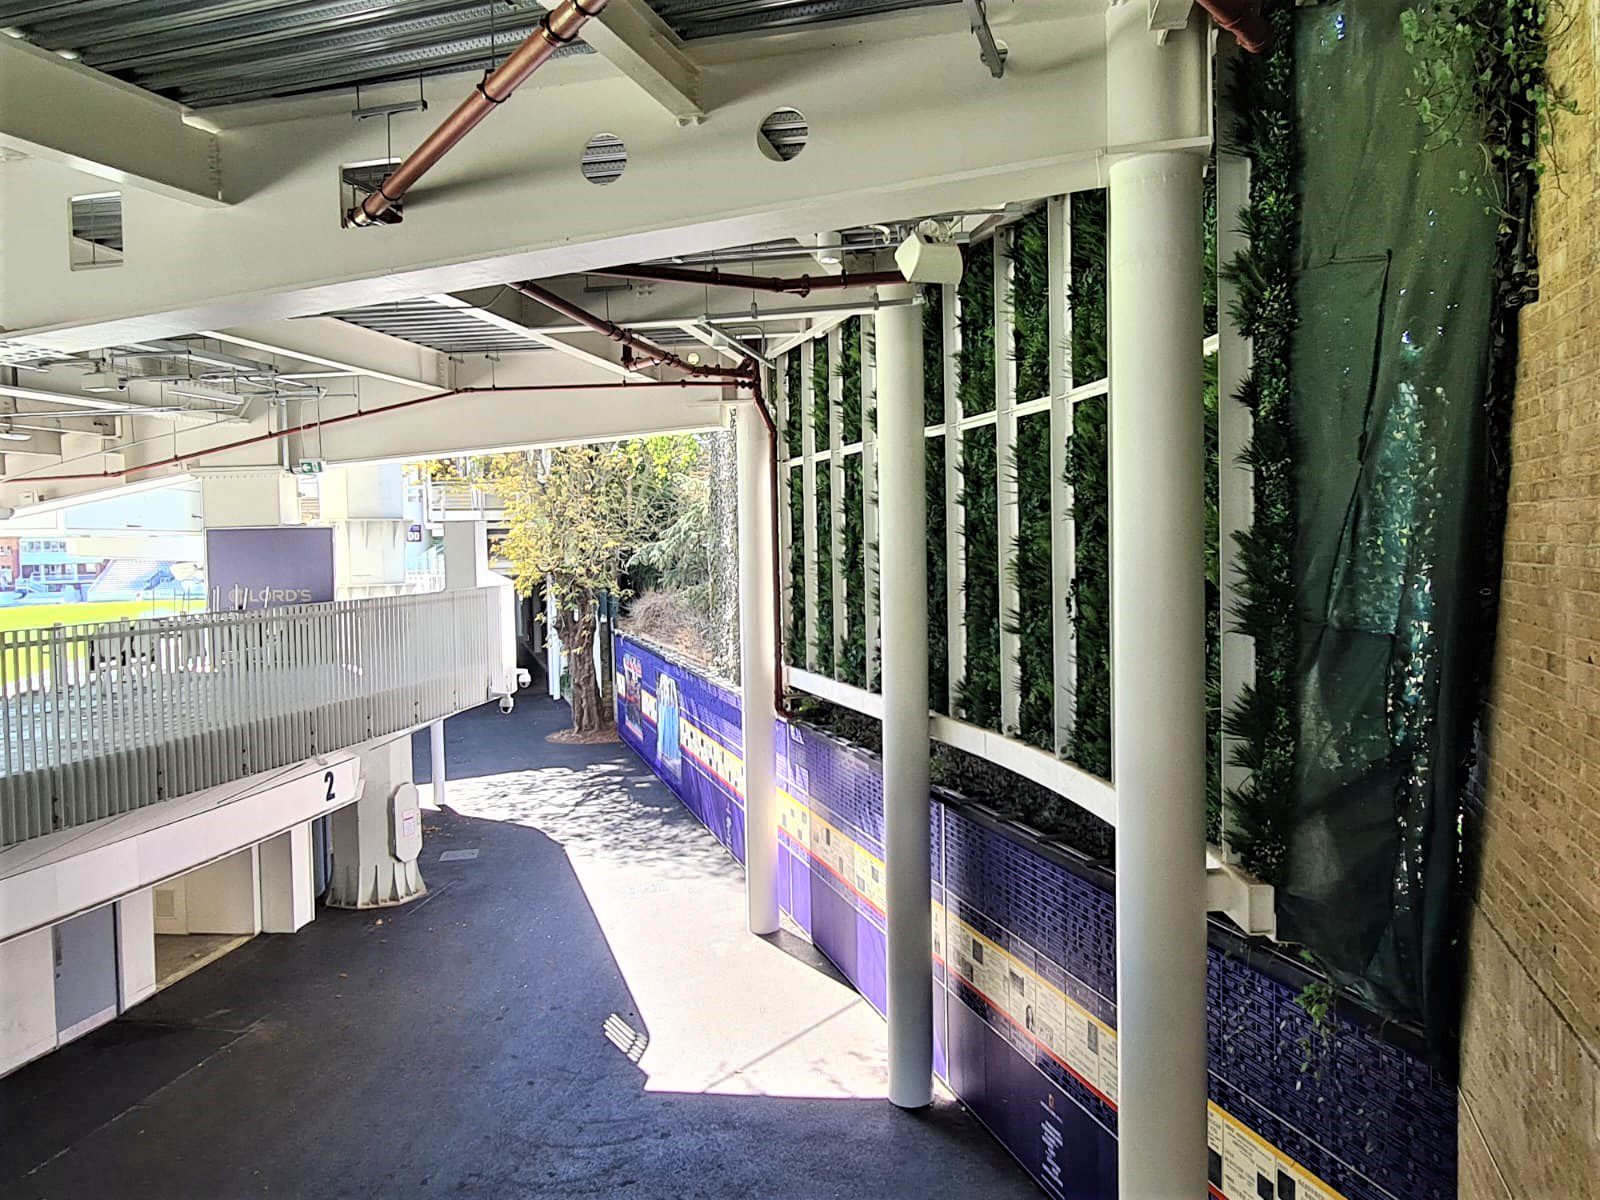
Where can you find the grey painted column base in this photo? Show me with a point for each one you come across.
(377, 840)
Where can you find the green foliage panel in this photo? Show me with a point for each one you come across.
(933, 414)
(979, 691)
(1089, 740)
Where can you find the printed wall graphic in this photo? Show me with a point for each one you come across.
(1025, 1014)
(269, 567)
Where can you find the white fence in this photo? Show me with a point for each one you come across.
(97, 720)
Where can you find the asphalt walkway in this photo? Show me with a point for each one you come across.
(575, 1009)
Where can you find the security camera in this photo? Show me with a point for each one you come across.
(923, 260)
(7, 512)
(507, 703)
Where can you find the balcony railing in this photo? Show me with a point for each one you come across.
(97, 720)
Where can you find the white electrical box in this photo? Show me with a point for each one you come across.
(405, 823)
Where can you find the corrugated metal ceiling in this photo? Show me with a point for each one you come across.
(210, 52)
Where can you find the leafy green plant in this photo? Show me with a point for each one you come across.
(1089, 740)
(978, 693)
(852, 665)
(1479, 77)
(822, 635)
(1264, 718)
(933, 463)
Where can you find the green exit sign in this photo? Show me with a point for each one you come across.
(310, 466)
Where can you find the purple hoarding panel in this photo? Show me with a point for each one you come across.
(1025, 983)
(269, 567)
(687, 730)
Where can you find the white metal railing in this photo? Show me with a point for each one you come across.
(97, 720)
(461, 495)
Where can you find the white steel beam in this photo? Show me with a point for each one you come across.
(534, 336)
(306, 342)
(898, 130)
(906, 838)
(638, 43)
(1006, 514)
(1158, 716)
(758, 683)
(1063, 532)
(66, 114)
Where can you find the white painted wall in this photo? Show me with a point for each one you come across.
(224, 897)
(27, 999)
(287, 900)
(136, 947)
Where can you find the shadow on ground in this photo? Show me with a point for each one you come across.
(458, 1046)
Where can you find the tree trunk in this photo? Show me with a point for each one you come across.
(577, 638)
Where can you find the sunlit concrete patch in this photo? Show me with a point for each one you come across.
(725, 1012)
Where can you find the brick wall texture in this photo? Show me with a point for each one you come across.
(1530, 1085)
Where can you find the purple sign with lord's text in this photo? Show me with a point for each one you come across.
(268, 567)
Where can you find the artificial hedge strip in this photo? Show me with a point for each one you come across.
(978, 694)
(933, 414)
(1030, 465)
(822, 635)
(797, 550)
(1213, 537)
(852, 665)
(1265, 716)
(1089, 740)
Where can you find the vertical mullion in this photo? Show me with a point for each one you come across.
(808, 483)
(955, 517)
(1063, 530)
(1006, 515)
(869, 496)
(838, 574)
(780, 417)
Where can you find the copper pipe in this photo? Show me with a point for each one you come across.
(560, 27)
(803, 286)
(1243, 19)
(653, 353)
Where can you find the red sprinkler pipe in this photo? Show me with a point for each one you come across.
(1243, 19)
(803, 286)
(560, 27)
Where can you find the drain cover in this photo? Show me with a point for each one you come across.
(457, 855)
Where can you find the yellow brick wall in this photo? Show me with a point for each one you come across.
(1530, 1085)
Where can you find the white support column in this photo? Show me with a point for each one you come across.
(757, 671)
(136, 948)
(1063, 530)
(869, 493)
(437, 770)
(1235, 481)
(808, 499)
(837, 571)
(1158, 674)
(955, 514)
(377, 840)
(288, 901)
(1006, 515)
(906, 805)
(466, 554)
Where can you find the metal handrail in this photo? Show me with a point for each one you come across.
(97, 720)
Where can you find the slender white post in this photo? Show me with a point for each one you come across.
(955, 512)
(757, 653)
(436, 757)
(903, 527)
(1158, 674)
(1005, 495)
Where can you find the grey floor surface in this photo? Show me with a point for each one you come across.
(576, 1011)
